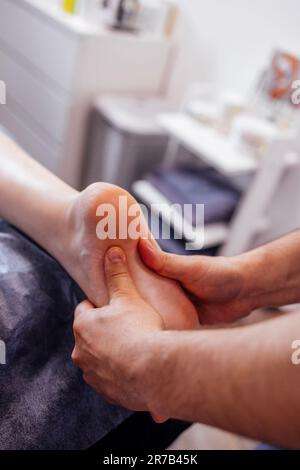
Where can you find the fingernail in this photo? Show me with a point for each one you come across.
(116, 255)
(159, 419)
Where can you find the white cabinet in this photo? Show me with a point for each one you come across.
(54, 65)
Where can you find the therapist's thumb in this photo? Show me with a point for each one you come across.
(165, 264)
(118, 279)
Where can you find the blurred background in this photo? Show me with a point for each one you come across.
(176, 101)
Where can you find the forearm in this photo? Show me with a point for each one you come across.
(32, 198)
(240, 380)
(271, 274)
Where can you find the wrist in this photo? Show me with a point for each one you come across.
(255, 277)
(156, 372)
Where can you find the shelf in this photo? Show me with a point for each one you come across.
(79, 25)
(214, 234)
(53, 13)
(207, 144)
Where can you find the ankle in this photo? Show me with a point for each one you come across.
(61, 240)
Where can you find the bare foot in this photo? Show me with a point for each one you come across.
(85, 254)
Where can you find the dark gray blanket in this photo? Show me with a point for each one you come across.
(189, 185)
(44, 403)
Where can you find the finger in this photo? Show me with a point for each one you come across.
(165, 264)
(159, 419)
(83, 308)
(118, 279)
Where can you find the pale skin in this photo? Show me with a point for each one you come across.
(241, 380)
(63, 221)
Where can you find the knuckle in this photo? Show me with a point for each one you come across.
(76, 357)
(78, 325)
(79, 310)
(80, 307)
(119, 275)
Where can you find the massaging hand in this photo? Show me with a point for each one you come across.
(64, 222)
(83, 258)
(216, 284)
(108, 339)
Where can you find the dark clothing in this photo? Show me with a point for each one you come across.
(44, 402)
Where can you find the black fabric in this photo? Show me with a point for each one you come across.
(141, 433)
(44, 403)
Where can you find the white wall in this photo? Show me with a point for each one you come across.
(229, 41)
